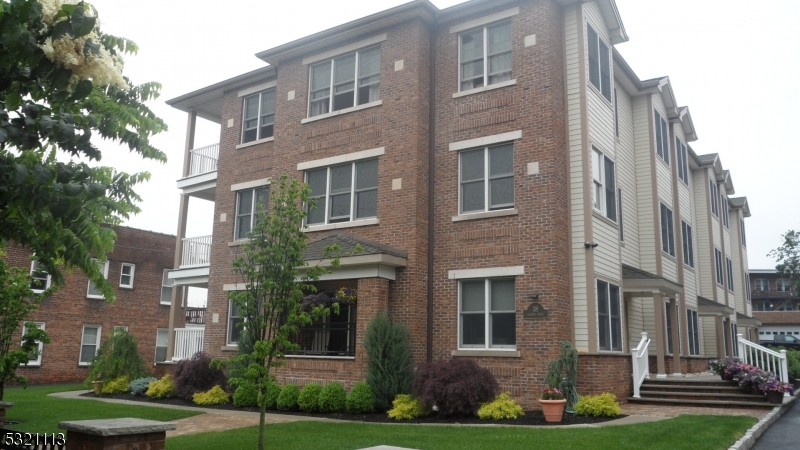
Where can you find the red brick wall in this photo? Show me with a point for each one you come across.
(605, 373)
(68, 310)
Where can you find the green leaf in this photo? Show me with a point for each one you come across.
(61, 29)
(82, 90)
(3, 135)
(81, 23)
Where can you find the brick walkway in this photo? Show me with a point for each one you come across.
(666, 412)
(214, 422)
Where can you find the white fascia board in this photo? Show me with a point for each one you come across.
(344, 49)
(250, 184)
(490, 272)
(484, 141)
(260, 87)
(349, 157)
(203, 179)
(484, 20)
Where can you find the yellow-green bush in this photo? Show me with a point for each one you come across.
(116, 386)
(405, 407)
(502, 407)
(162, 388)
(603, 405)
(214, 396)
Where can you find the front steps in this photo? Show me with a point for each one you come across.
(697, 392)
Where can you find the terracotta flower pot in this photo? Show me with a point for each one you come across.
(775, 397)
(97, 386)
(553, 409)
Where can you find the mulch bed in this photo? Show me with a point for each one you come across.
(530, 417)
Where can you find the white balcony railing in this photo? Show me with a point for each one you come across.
(188, 341)
(768, 360)
(196, 251)
(641, 364)
(203, 159)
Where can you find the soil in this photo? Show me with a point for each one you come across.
(530, 417)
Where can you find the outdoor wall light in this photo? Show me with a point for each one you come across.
(533, 296)
(590, 244)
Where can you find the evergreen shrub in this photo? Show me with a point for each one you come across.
(245, 395)
(332, 398)
(139, 386)
(603, 405)
(287, 399)
(162, 388)
(214, 396)
(502, 407)
(405, 407)
(118, 385)
(309, 397)
(390, 367)
(360, 400)
(118, 356)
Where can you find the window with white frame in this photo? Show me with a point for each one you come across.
(609, 317)
(485, 54)
(234, 319)
(126, 275)
(599, 63)
(683, 165)
(694, 332)
(250, 205)
(747, 286)
(92, 291)
(744, 238)
(343, 193)
(725, 210)
(714, 198)
(162, 339)
(762, 284)
(166, 288)
(729, 268)
(259, 116)
(604, 178)
(667, 231)
(90, 343)
(487, 312)
(619, 208)
(120, 329)
(688, 244)
(487, 179)
(40, 279)
(35, 359)
(718, 264)
(345, 81)
(783, 285)
(662, 138)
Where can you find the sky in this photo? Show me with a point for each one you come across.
(735, 67)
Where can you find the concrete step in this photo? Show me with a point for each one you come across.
(689, 382)
(737, 397)
(687, 388)
(703, 403)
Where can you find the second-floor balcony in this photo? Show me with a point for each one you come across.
(195, 316)
(196, 251)
(772, 294)
(201, 179)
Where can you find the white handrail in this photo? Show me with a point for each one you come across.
(640, 359)
(188, 341)
(760, 356)
(203, 159)
(196, 251)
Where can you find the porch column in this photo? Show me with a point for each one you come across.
(661, 335)
(720, 329)
(676, 336)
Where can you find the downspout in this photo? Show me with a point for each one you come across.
(431, 178)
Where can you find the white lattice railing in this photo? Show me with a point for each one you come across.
(203, 159)
(641, 364)
(196, 251)
(768, 360)
(188, 341)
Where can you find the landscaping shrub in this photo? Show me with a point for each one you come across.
(405, 407)
(287, 399)
(214, 396)
(502, 407)
(308, 400)
(273, 391)
(139, 386)
(603, 405)
(196, 375)
(390, 368)
(455, 387)
(360, 400)
(118, 385)
(245, 396)
(118, 356)
(332, 398)
(162, 388)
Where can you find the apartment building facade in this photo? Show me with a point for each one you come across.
(775, 304)
(513, 182)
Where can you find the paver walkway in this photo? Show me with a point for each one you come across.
(665, 412)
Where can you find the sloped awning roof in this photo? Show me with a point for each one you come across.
(373, 260)
(747, 321)
(706, 307)
(641, 283)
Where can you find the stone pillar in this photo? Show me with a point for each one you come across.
(116, 434)
(661, 335)
(3, 407)
(676, 336)
(720, 329)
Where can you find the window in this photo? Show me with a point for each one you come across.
(609, 322)
(762, 285)
(718, 263)
(662, 138)
(162, 340)
(332, 335)
(619, 207)
(488, 314)
(747, 287)
(259, 116)
(713, 191)
(683, 166)
(765, 306)
(694, 332)
(250, 204)
(729, 267)
(36, 359)
(126, 275)
(688, 245)
(495, 164)
(234, 319)
(734, 333)
(166, 288)
(744, 238)
(344, 193)
(616, 113)
(668, 315)
(783, 285)
(599, 63)
(120, 329)
(604, 192)
(725, 210)
(90, 343)
(485, 54)
(92, 291)
(40, 280)
(345, 82)
(667, 231)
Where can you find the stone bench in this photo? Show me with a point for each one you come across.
(126, 433)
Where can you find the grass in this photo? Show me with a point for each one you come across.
(680, 433)
(39, 413)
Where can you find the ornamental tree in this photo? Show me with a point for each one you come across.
(61, 86)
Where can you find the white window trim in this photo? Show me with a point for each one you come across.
(258, 120)
(122, 273)
(486, 182)
(155, 354)
(38, 362)
(622, 318)
(719, 269)
(485, 141)
(228, 325)
(338, 225)
(47, 283)
(256, 142)
(340, 159)
(331, 88)
(485, 20)
(355, 46)
(490, 272)
(328, 205)
(89, 284)
(342, 111)
(602, 206)
(670, 227)
(164, 285)
(253, 211)
(257, 88)
(251, 184)
(96, 344)
(484, 26)
(487, 313)
(490, 87)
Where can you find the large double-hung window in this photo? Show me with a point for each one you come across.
(485, 56)
(259, 116)
(688, 246)
(343, 193)
(487, 310)
(250, 205)
(718, 267)
(609, 317)
(667, 231)
(712, 189)
(683, 165)
(662, 138)
(599, 63)
(694, 332)
(344, 82)
(605, 191)
(486, 179)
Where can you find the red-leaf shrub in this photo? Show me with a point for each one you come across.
(196, 375)
(455, 387)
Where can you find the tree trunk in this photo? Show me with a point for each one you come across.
(261, 418)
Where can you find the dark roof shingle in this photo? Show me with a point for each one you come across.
(347, 242)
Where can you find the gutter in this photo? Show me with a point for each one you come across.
(431, 178)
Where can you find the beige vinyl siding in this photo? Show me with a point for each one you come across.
(606, 254)
(708, 336)
(704, 256)
(738, 254)
(633, 312)
(626, 180)
(684, 190)
(642, 137)
(663, 171)
(600, 110)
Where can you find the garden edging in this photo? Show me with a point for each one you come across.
(749, 439)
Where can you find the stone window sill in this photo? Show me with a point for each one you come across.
(346, 358)
(338, 225)
(486, 215)
(252, 143)
(487, 353)
(490, 87)
(342, 111)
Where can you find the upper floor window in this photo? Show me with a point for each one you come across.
(744, 237)
(762, 284)
(718, 265)
(487, 179)
(604, 178)
(747, 285)
(344, 193)
(688, 245)
(729, 267)
(599, 63)
(166, 288)
(92, 291)
(662, 138)
(345, 82)
(683, 166)
(783, 285)
(609, 317)
(40, 279)
(259, 116)
(487, 314)
(235, 320)
(714, 198)
(485, 54)
(126, 275)
(250, 204)
(725, 210)
(667, 231)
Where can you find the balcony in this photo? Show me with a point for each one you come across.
(188, 341)
(195, 261)
(772, 294)
(195, 316)
(201, 181)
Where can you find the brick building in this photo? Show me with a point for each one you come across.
(78, 319)
(776, 304)
(513, 182)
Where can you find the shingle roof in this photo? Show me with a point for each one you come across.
(347, 242)
(709, 158)
(737, 202)
(632, 273)
(702, 301)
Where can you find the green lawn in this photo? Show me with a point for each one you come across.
(684, 432)
(41, 414)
